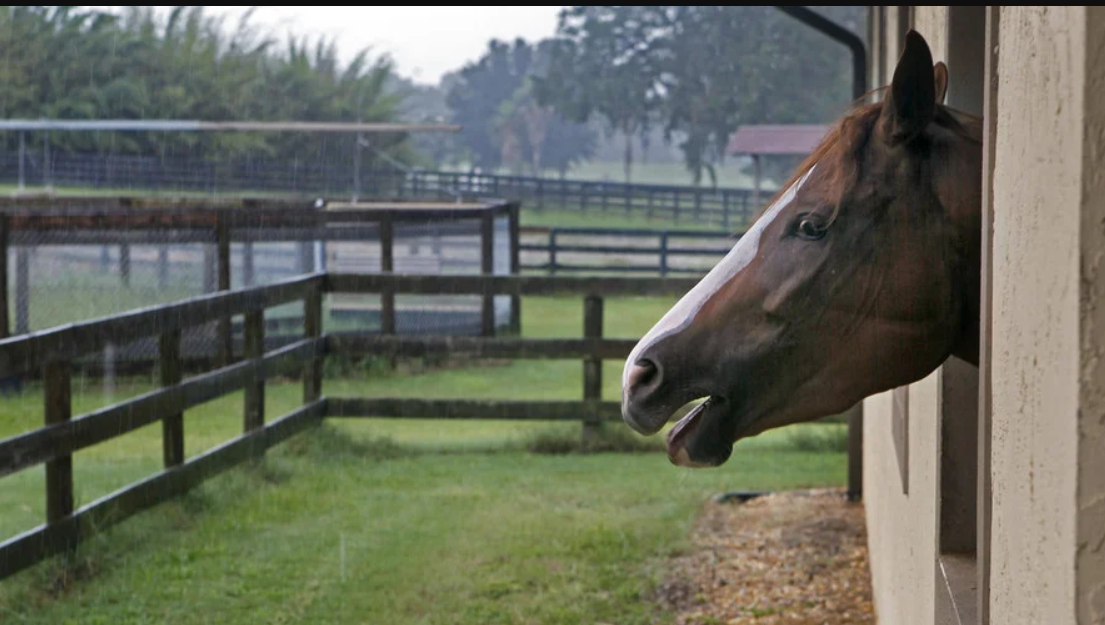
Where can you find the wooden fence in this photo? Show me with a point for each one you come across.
(727, 208)
(53, 351)
(28, 223)
(623, 250)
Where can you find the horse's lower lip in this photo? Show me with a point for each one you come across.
(704, 437)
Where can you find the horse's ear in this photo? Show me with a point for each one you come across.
(911, 103)
(940, 71)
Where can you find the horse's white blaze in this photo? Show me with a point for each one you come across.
(734, 262)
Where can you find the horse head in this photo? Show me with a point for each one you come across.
(861, 275)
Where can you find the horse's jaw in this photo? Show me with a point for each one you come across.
(704, 437)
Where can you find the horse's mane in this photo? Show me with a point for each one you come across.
(840, 152)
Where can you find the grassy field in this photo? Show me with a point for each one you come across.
(392, 521)
(575, 219)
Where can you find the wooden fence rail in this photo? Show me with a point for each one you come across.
(54, 350)
(724, 207)
(623, 250)
(54, 444)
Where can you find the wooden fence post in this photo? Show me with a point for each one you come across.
(855, 452)
(22, 290)
(247, 264)
(254, 335)
(515, 269)
(5, 298)
(226, 346)
(552, 252)
(725, 209)
(124, 264)
(172, 426)
(59, 471)
(487, 268)
(387, 265)
(664, 253)
(162, 266)
(312, 328)
(592, 366)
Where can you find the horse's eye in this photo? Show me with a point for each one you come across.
(810, 227)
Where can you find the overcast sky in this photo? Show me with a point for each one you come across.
(425, 42)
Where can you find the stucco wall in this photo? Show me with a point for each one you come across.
(1047, 329)
(902, 527)
(1048, 337)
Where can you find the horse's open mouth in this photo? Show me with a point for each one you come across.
(704, 436)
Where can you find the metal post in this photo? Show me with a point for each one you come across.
(838, 33)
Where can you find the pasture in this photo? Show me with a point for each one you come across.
(391, 521)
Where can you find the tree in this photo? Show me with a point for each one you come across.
(477, 97)
(699, 71)
(504, 123)
(77, 63)
(605, 61)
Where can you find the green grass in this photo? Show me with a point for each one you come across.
(326, 533)
(530, 216)
(394, 521)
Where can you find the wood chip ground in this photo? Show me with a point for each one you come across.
(794, 558)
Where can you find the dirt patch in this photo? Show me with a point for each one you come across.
(795, 558)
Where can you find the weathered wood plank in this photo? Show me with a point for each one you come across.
(515, 267)
(44, 444)
(410, 408)
(222, 265)
(478, 347)
(507, 285)
(387, 265)
(5, 322)
(592, 367)
(172, 426)
(312, 329)
(44, 541)
(487, 267)
(254, 408)
(26, 352)
(59, 470)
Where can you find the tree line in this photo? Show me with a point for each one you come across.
(71, 62)
(693, 72)
(684, 76)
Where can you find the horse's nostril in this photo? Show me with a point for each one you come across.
(643, 373)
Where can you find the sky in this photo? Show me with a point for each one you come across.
(425, 42)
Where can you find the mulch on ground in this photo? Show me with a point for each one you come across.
(794, 558)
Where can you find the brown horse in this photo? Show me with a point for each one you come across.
(862, 275)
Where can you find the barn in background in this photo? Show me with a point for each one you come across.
(985, 487)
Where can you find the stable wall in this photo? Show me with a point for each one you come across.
(900, 472)
(919, 481)
(1048, 442)
(1041, 496)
